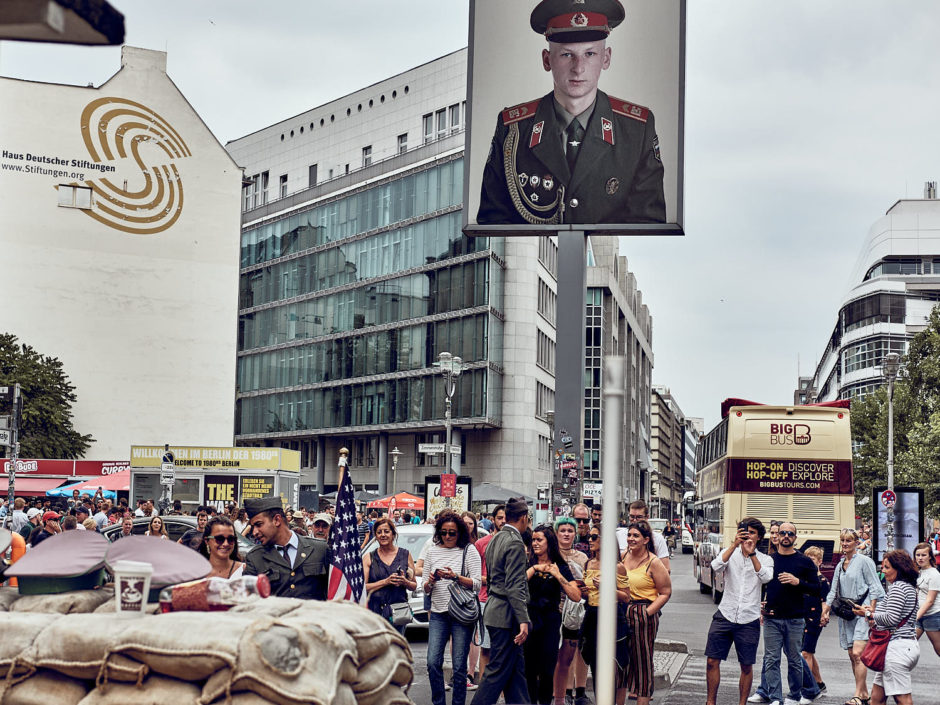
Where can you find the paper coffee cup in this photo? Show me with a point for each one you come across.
(131, 587)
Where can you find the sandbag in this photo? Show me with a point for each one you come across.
(77, 647)
(46, 687)
(389, 695)
(76, 601)
(286, 663)
(391, 667)
(270, 606)
(8, 596)
(110, 606)
(156, 690)
(187, 645)
(18, 632)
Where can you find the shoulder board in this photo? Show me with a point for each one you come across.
(520, 112)
(631, 110)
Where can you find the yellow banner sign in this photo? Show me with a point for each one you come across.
(196, 457)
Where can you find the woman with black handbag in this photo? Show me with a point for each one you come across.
(389, 573)
(855, 580)
(895, 651)
(549, 578)
(452, 571)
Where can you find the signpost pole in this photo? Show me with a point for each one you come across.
(13, 394)
(167, 478)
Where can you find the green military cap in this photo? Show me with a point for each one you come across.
(576, 20)
(71, 560)
(267, 504)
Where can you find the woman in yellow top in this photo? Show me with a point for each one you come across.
(650, 589)
(591, 591)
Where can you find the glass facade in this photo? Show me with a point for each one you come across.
(315, 285)
(594, 336)
(870, 352)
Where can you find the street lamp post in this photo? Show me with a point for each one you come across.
(451, 367)
(889, 368)
(550, 417)
(395, 453)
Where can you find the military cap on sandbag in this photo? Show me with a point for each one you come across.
(267, 504)
(576, 20)
(71, 560)
(172, 563)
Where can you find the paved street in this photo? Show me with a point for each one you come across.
(686, 618)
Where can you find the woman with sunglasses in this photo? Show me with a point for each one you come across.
(449, 559)
(548, 577)
(855, 578)
(220, 546)
(650, 588)
(591, 591)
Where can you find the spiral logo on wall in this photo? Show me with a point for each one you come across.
(116, 128)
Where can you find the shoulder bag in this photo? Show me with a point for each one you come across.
(842, 607)
(873, 655)
(464, 604)
(399, 613)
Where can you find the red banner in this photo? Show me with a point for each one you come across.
(75, 468)
(448, 485)
(790, 476)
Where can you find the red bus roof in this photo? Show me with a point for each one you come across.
(732, 401)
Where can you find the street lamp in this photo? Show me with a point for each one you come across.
(889, 368)
(451, 367)
(395, 453)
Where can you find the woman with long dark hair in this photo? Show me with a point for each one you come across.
(470, 519)
(896, 612)
(650, 588)
(388, 571)
(928, 589)
(449, 559)
(220, 545)
(549, 578)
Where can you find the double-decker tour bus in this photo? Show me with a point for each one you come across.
(784, 463)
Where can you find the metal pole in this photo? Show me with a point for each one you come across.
(611, 462)
(14, 452)
(889, 529)
(447, 454)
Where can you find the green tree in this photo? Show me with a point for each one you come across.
(46, 430)
(916, 424)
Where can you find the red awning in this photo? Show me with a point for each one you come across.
(32, 486)
(119, 482)
(403, 500)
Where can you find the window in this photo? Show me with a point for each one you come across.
(454, 117)
(282, 186)
(427, 123)
(403, 143)
(544, 399)
(367, 156)
(545, 353)
(548, 254)
(546, 301)
(441, 118)
(74, 196)
(311, 175)
(264, 188)
(256, 192)
(347, 168)
(330, 174)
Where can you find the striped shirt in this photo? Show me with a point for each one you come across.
(900, 603)
(440, 557)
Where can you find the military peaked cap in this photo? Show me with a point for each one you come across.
(267, 504)
(576, 20)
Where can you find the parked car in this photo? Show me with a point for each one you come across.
(413, 537)
(688, 543)
(176, 525)
(708, 582)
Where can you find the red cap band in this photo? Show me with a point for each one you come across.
(578, 20)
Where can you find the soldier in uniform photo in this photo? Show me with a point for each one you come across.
(576, 155)
(297, 566)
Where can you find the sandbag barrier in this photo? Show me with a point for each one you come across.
(280, 650)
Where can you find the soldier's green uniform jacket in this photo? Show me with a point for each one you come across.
(618, 176)
(308, 579)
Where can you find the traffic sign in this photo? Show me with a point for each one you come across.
(167, 480)
(431, 447)
(6, 437)
(5, 421)
(7, 393)
(456, 450)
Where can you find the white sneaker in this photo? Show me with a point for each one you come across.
(788, 701)
(805, 701)
(758, 698)
(775, 702)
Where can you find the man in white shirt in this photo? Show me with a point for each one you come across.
(640, 512)
(737, 620)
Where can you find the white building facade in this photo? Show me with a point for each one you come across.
(894, 285)
(119, 208)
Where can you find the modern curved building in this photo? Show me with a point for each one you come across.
(895, 284)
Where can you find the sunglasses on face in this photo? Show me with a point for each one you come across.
(788, 533)
(637, 517)
(448, 533)
(595, 537)
(223, 539)
(584, 520)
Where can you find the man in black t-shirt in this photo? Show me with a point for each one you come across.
(795, 576)
(193, 537)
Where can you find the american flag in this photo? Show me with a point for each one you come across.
(346, 579)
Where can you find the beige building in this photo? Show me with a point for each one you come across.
(120, 214)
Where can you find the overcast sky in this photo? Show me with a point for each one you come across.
(805, 122)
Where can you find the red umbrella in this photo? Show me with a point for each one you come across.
(403, 500)
(118, 482)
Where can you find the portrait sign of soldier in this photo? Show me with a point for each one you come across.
(577, 154)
